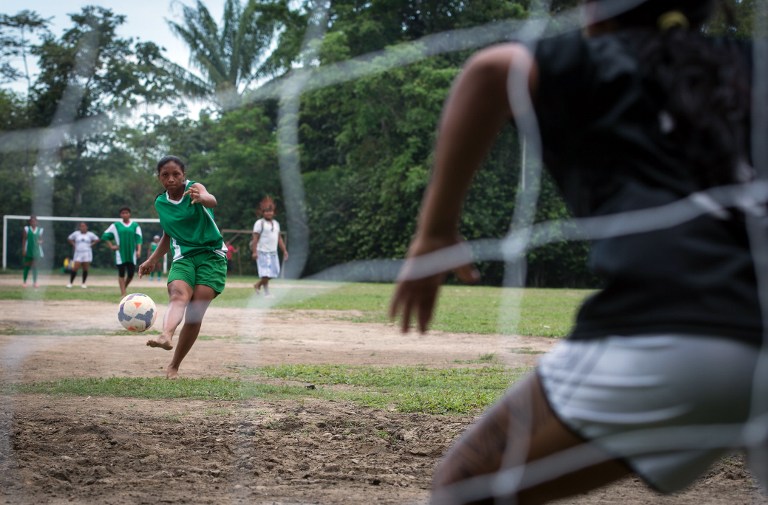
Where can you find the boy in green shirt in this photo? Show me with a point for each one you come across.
(124, 237)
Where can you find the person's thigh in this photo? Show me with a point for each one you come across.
(516, 452)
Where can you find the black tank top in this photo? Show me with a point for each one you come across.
(603, 141)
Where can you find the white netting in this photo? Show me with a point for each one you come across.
(511, 249)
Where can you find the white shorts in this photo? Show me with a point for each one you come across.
(268, 264)
(83, 256)
(667, 405)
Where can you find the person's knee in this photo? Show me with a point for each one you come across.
(178, 296)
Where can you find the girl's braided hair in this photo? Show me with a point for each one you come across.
(267, 203)
(703, 84)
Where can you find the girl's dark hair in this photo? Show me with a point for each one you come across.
(701, 83)
(647, 12)
(168, 159)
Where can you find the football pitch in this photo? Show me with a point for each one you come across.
(311, 396)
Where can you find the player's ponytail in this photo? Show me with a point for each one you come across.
(707, 98)
(704, 84)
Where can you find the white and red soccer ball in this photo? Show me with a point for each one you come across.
(137, 312)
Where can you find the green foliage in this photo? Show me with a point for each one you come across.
(377, 145)
(234, 53)
(365, 145)
(735, 18)
(14, 42)
(243, 149)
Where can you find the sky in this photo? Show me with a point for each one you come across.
(145, 19)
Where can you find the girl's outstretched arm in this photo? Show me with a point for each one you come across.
(199, 194)
(476, 110)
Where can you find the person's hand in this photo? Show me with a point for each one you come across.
(285, 255)
(255, 255)
(194, 193)
(426, 265)
(146, 268)
(114, 247)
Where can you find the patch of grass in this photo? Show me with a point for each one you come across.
(161, 388)
(461, 309)
(220, 412)
(382, 377)
(483, 358)
(524, 350)
(213, 337)
(46, 331)
(174, 418)
(61, 293)
(405, 389)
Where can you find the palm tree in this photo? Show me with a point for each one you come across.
(234, 55)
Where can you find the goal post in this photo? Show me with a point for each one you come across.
(9, 217)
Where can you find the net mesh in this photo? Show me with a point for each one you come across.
(523, 236)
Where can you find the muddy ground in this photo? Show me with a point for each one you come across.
(95, 450)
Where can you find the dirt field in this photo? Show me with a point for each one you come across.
(125, 451)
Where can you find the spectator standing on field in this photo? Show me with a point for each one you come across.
(82, 241)
(266, 240)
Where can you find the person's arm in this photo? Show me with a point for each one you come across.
(162, 248)
(139, 237)
(199, 194)
(24, 242)
(281, 243)
(254, 245)
(476, 110)
(108, 237)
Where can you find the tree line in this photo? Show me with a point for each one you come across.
(81, 137)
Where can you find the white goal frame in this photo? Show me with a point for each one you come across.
(76, 219)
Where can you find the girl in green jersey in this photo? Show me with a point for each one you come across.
(199, 268)
(32, 249)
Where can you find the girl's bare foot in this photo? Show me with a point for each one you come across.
(171, 373)
(161, 341)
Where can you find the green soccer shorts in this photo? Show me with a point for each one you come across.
(205, 269)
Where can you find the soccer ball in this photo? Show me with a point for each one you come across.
(137, 312)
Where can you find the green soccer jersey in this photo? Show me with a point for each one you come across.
(189, 225)
(32, 249)
(127, 237)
